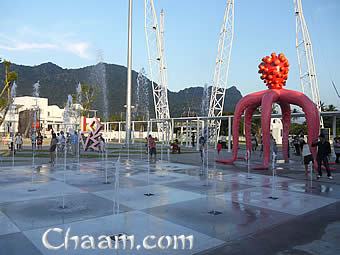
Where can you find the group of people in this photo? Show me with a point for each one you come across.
(297, 143)
(37, 140)
(61, 143)
(323, 154)
(16, 142)
(68, 141)
(301, 148)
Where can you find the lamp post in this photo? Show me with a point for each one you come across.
(129, 76)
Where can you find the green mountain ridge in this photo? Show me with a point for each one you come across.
(57, 82)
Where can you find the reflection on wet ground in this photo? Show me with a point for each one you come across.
(31, 201)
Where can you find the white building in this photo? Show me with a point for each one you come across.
(49, 116)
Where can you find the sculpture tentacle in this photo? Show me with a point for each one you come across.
(286, 118)
(247, 122)
(266, 110)
(311, 113)
(245, 102)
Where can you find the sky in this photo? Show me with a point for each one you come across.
(75, 33)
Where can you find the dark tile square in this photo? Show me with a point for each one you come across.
(98, 183)
(17, 244)
(236, 220)
(40, 213)
(208, 187)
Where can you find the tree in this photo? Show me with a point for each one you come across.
(328, 120)
(294, 118)
(297, 128)
(331, 108)
(88, 96)
(5, 95)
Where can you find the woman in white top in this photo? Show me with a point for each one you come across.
(307, 156)
(18, 141)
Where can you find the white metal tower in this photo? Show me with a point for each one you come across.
(158, 74)
(308, 79)
(219, 85)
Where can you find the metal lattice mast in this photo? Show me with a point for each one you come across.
(163, 60)
(158, 75)
(308, 79)
(219, 86)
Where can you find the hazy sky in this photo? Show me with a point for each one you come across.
(70, 33)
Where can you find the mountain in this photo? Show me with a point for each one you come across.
(190, 100)
(110, 79)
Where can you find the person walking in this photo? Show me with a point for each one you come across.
(53, 147)
(336, 145)
(324, 149)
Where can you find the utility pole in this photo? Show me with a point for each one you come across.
(129, 77)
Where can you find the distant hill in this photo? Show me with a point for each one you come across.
(56, 83)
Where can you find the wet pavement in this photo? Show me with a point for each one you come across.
(227, 210)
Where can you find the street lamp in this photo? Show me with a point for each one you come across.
(129, 77)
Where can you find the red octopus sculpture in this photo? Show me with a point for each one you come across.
(274, 70)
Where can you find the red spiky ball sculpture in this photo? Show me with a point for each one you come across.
(274, 73)
(274, 70)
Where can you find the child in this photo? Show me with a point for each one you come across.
(219, 147)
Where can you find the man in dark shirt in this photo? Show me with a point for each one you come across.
(324, 149)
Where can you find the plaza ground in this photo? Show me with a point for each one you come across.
(304, 219)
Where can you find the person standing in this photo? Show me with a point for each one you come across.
(261, 146)
(152, 147)
(74, 142)
(62, 141)
(307, 156)
(253, 142)
(33, 140)
(202, 143)
(193, 140)
(336, 145)
(12, 143)
(40, 139)
(273, 145)
(53, 147)
(219, 147)
(18, 141)
(324, 149)
(102, 147)
(296, 143)
(301, 142)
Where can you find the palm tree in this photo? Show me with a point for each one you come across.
(331, 108)
(5, 94)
